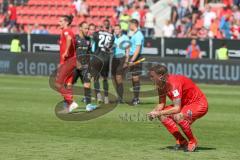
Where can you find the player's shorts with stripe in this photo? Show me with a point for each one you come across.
(117, 65)
(193, 111)
(136, 70)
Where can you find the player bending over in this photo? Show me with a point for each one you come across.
(67, 62)
(189, 104)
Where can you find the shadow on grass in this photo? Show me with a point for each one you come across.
(198, 148)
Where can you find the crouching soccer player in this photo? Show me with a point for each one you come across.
(189, 104)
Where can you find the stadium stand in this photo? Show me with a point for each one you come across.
(46, 12)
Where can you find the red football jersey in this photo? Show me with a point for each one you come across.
(63, 39)
(183, 88)
(13, 13)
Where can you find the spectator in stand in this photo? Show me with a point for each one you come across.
(183, 8)
(16, 45)
(195, 10)
(168, 29)
(214, 28)
(135, 13)
(202, 33)
(142, 4)
(77, 4)
(224, 26)
(208, 16)
(222, 53)
(174, 13)
(235, 29)
(227, 12)
(72, 9)
(36, 29)
(193, 50)
(43, 30)
(12, 14)
(181, 31)
(142, 12)
(236, 13)
(124, 22)
(84, 8)
(188, 23)
(150, 22)
(120, 9)
(193, 33)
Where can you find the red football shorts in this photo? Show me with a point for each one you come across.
(193, 111)
(65, 72)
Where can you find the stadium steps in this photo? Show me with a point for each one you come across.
(46, 12)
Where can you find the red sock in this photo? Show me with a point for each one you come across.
(172, 128)
(186, 128)
(67, 94)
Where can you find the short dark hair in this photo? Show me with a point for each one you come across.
(134, 21)
(118, 25)
(106, 20)
(68, 18)
(82, 23)
(159, 69)
(106, 23)
(92, 24)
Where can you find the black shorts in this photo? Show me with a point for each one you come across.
(100, 65)
(84, 75)
(117, 66)
(136, 70)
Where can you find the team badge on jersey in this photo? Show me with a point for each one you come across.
(65, 33)
(175, 93)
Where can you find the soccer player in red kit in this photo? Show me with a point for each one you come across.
(68, 60)
(189, 104)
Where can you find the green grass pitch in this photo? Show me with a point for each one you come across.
(29, 129)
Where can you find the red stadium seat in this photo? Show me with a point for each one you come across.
(48, 11)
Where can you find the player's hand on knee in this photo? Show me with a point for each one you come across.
(152, 115)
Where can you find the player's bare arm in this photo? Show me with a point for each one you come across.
(127, 54)
(136, 53)
(176, 108)
(68, 44)
(155, 112)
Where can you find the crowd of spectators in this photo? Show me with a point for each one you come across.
(189, 20)
(139, 10)
(127, 9)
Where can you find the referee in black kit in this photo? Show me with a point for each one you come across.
(137, 42)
